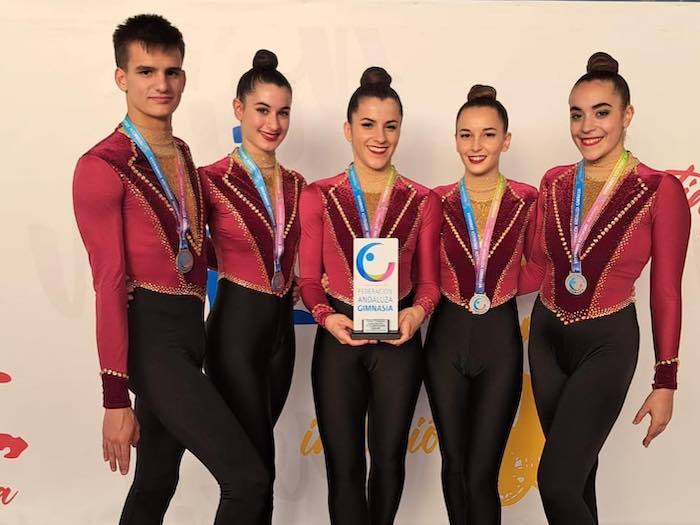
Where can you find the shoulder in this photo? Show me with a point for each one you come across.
(216, 169)
(523, 190)
(111, 148)
(421, 191)
(182, 145)
(446, 190)
(329, 183)
(662, 181)
(557, 171)
(292, 174)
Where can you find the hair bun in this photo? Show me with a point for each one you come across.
(376, 76)
(264, 59)
(602, 63)
(480, 91)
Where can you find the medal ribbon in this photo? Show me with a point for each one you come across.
(277, 216)
(382, 207)
(481, 249)
(579, 232)
(179, 208)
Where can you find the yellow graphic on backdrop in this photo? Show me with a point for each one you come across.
(522, 455)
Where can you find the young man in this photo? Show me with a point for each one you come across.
(138, 204)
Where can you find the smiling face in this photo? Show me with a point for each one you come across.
(480, 139)
(264, 116)
(374, 132)
(598, 120)
(153, 82)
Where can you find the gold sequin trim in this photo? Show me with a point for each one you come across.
(619, 250)
(252, 206)
(253, 245)
(667, 362)
(197, 241)
(186, 290)
(331, 192)
(295, 205)
(254, 286)
(158, 226)
(342, 298)
(110, 372)
(405, 207)
(459, 238)
(603, 231)
(583, 315)
(331, 229)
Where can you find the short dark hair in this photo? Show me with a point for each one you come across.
(602, 66)
(264, 71)
(375, 83)
(481, 96)
(151, 31)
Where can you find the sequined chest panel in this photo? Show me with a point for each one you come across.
(402, 217)
(506, 244)
(606, 242)
(236, 190)
(140, 181)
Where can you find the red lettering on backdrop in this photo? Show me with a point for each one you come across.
(15, 445)
(691, 184)
(6, 495)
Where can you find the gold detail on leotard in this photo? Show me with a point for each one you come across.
(110, 372)
(667, 362)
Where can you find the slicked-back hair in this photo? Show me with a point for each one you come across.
(151, 31)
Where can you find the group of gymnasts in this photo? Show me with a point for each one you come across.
(466, 250)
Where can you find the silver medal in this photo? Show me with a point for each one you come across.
(479, 304)
(277, 282)
(575, 283)
(184, 260)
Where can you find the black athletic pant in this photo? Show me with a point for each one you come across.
(381, 381)
(178, 408)
(474, 374)
(250, 359)
(580, 376)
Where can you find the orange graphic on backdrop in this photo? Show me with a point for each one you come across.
(522, 456)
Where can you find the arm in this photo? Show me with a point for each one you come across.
(311, 254)
(427, 286)
(670, 233)
(427, 258)
(531, 275)
(97, 199)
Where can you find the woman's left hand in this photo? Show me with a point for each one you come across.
(410, 320)
(659, 405)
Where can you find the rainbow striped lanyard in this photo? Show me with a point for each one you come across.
(184, 259)
(579, 232)
(481, 249)
(382, 207)
(276, 215)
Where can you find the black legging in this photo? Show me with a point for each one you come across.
(474, 374)
(178, 408)
(250, 358)
(381, 381)
(580, 376)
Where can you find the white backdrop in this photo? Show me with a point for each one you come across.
(59, 99)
